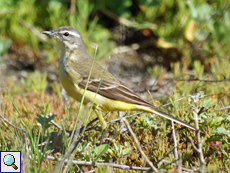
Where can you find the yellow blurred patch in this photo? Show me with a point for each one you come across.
(156, 103)
(143, 7)
(214, 99)
(165, 43)
(190, 30)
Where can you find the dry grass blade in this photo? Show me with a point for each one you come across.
(138, 146)
(18, 128)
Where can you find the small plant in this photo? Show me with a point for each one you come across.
(44, 121)
(118, 150)
(198, 69)
(157, 71)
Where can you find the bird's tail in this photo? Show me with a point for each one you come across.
(165, 115)
(170, 117)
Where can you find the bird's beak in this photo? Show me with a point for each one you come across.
(51, 33)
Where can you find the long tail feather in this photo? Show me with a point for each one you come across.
(165, 115)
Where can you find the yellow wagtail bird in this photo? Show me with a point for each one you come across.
(105, 91)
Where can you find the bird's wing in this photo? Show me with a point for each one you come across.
(113, 90)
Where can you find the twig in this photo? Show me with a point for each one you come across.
(68, 164)
(175, 149)
(198, 138)
(45, 143)
(8, 11)
(74, 143)
(138, 145)
(22, 130)
(64, 97)
(25, 156)
(33, 30)
(227, 107)
(211, 156)
(121, 121)
(72, 6)
(171, 163)
(89, 163)
(57, 125)
(118, 119)
(163, 161)
(183, 127)
(201, 80)
(110, 170)
(179, 164)
(125, 21)
(174, 141)
(167, 104)
(193, 145)
(70, 150)
(94, 164)
(36, 32)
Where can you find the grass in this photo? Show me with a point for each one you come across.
(31, 104)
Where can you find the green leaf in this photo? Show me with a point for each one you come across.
(192, 8)
(55, 5)
(219, 130)
(126, 143)
(149, 3)
(215, 138)
(150, 171)
(217, 120)
(116, 146)
(111, 151)
(127, 150)
(205, 11)
(206, 103)
(198, 68)
(4, 46)
(228, 118)
(121, 7)
(44, 120)
(101, 149)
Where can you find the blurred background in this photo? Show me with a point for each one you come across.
(165, 50)
(136, 39)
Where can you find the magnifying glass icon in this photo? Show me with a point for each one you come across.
(9, 160)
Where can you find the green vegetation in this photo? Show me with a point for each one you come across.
(190, 40)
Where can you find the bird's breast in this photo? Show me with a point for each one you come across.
(68, 83)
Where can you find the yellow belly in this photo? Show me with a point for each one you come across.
(101, 102)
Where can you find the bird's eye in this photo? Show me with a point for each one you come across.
(66, 34)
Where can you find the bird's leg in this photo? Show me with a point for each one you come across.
(102, 136)
(103, 124)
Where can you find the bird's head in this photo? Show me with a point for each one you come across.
(68, 37)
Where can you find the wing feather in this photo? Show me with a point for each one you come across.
(114, 90)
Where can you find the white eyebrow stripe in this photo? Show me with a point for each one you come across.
(71, 33)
